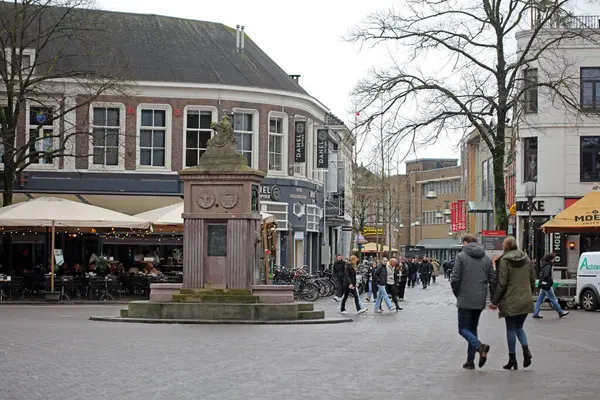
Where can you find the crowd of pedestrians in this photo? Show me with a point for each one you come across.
(505, 283)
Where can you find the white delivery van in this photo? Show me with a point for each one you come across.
(588, 281)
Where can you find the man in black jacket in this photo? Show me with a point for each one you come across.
(425, 271)
(349, 285)
(338, 273)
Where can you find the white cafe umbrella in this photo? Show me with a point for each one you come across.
(53, 212)
(171, 215)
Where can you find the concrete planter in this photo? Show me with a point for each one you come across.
(52, 297)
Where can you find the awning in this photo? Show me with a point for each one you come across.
(130, 204)
(581, 217)
(171, 216)
(52, 211)
(477, 207)
(442, 243)
(374, 248)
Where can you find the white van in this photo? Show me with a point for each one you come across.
(588, 281)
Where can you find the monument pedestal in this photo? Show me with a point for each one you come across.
(222, 249)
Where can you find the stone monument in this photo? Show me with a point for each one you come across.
(222, 248)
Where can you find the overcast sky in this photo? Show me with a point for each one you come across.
(304, 38)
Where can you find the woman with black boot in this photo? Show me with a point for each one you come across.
(513, 296)
(392, 279)
(403, 279)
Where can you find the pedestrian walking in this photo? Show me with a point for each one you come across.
(471, 279)
(339, 267)
(413, 269)
(436, 270)
(545, 284)
(372, 286)
(350, 286)
(381, 280)
(392, 281)
(403, 279)
(425, 270)
(516, 280)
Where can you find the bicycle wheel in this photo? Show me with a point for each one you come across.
(310, 292)
(322, 284)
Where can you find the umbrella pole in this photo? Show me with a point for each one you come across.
(52, 259)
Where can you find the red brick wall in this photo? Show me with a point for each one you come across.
(132, 103)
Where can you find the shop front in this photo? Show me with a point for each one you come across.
(297, 208)
(543, 209)
(575, 230)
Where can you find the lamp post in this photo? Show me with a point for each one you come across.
(530, 191)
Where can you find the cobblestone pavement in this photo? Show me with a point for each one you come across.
(54, 352)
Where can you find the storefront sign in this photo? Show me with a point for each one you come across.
(270, 193)
(300, 141)
(459, 216)
(536, 205)
(559, 249)
(570, 202)
(322, 148)
(492, 240)
(414, 251)
(372, 230)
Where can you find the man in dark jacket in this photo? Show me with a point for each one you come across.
(412, 272)
(546, 284)
(338, 272)
(425, 270)
(472, 275)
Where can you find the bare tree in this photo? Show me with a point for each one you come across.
(478, 75)
(47, 46)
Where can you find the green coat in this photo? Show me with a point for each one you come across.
(516, 280)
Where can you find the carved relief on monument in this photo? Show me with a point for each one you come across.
(205, 199)
(229, 200)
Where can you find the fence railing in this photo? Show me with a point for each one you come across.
(571, 22)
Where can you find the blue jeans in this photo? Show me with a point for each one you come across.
(360, 302)
(381, 295)
(468, 321)
(553, 300)
(514, 330)
(370, 289)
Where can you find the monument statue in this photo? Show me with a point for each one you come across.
(222, 148)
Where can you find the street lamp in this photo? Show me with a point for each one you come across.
(417, 223)
(431, 195)
(530, 191)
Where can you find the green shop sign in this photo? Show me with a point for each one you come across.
(589, 267)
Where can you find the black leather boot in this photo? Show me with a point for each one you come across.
(483, 353)
(526, 357)
(469, 365)
(512, 362)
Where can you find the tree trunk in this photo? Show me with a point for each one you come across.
(7, 199)
(499, 188)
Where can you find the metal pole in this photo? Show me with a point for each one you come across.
(52, 258)
(531, 231)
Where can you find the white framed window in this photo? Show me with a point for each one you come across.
(245, 127)
(279, 211)
(42, 136)
(154, 137)
(278, 143)
(313, 218)
(197, 131)
(107, 136)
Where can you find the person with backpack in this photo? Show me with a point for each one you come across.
(545, 284)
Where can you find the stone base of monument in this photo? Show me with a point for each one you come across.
(263, 304)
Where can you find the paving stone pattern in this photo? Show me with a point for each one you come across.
(56, 353)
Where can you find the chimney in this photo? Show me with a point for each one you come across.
(242, 35)
(237, 37)
(296, 78)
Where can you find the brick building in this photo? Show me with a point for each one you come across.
(183, 75)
